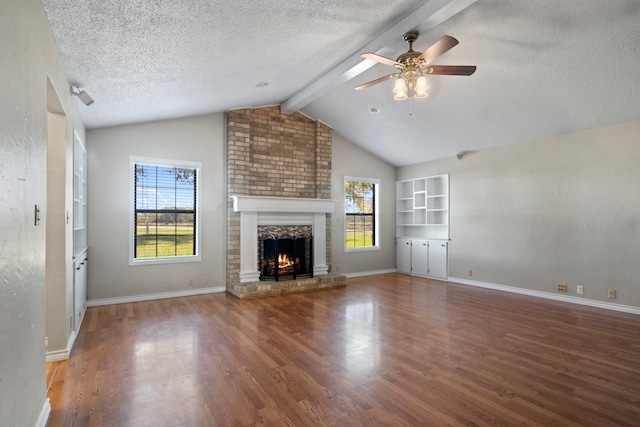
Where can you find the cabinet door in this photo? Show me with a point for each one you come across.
(403, 255)
(420, 257)
(438, 259)
(80, 290)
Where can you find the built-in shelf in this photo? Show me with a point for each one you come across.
(79, 195)
(422, 207)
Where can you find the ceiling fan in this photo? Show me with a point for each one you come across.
(413, 66)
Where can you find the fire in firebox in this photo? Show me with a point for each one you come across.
(286, 265)
(284, 261)
(284, 252)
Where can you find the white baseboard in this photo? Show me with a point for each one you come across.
(57, 355)
(43, 418)
(150, 297)
(547, 295)
(369, 273)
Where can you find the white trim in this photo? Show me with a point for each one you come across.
(71, 341)
(150, 297)
(362, 249)
(369, 273)
(361, 179)
(376, 208)
(57, 355)
(547, 295)
(285, 218)
(319, 228)
(282, 204)
(45, 412)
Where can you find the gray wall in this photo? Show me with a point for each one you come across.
(198, 138)
(564, 209)
(350, 160)
(29, 56)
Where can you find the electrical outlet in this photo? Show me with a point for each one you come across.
(191, 281)
(205, 280)
(561, 287)
(46, 342)
(469, 272)
(580, 289)
(611, 294)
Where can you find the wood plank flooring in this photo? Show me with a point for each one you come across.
(388, 350)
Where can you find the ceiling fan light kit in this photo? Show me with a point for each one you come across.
(413, 67)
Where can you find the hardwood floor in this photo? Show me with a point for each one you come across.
(386, 350)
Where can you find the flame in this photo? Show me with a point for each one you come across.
(284, 261)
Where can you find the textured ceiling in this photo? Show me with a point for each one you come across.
(544, 67)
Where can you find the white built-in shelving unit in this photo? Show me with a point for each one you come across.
(80, 243)
(422, 226)
(422, 207)
(79, 196)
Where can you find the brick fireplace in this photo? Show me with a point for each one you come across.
(279, 174)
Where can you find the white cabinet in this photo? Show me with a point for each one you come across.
(422, 207)
(420, 257)
(80, 289)
(438, 267)
(403, 255)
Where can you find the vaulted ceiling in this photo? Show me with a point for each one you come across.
(545, 67)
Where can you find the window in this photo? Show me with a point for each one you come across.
(164, 216)
(361, 213)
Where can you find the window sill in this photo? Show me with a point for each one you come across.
(364, 249)
(167, 260)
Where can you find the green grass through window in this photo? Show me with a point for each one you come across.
(164, 241)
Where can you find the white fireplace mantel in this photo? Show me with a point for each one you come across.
(282, 204)
(256, 210)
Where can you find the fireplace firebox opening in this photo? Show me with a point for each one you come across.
(285, 252)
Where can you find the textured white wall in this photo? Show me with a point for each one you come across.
(563, 209)
(29, 56)
(198, 138)
(350, 160)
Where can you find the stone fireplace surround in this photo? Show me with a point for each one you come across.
(257, 210)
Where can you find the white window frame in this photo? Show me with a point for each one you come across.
(168, 163)
(376, 208)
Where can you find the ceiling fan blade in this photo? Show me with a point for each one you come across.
(380, 59)
(376, 81)
(438, 48)
(452, 70)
